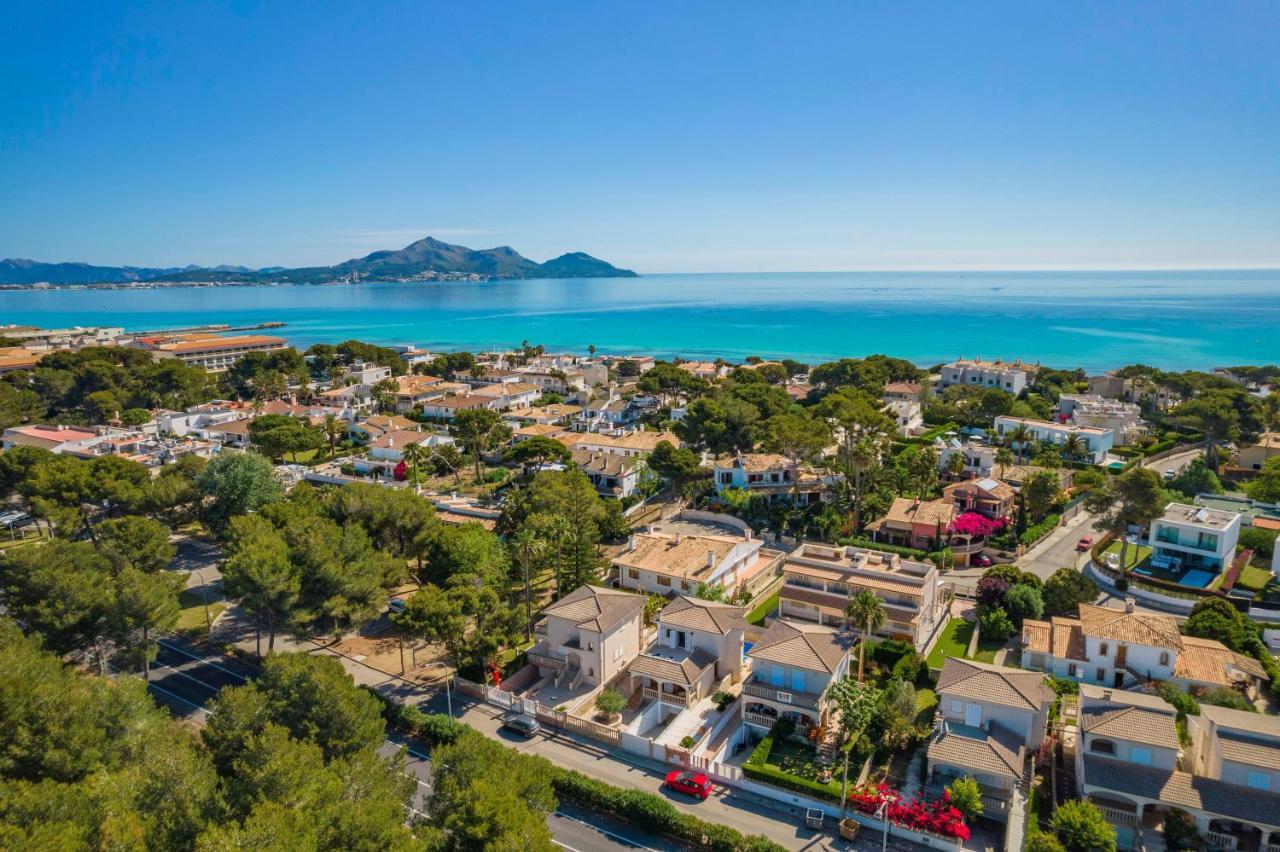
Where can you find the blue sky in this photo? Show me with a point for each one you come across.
(664, 136)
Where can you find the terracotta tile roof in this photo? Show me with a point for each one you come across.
(1204, 661)
(998, 490)
(384, 423)
(677, 556)
(1134, 724)
(400, 439)
(1241, 720)
(994, 684)
(902, 388)
(454, 518)
(906, 511)
(1067, 639)
(680, 668)
(644, 442)
(707, 616)
(596, 608)
(211, 343)
(756, 462)
(233, 427)
(1194, 792)
(1265, 523)
(1140, 628)
(995, 752)
(540, 430)
(608, 464)
(801, 645)
(1036, 636)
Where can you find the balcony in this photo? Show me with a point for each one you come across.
(665, 697)
(542, 655)
(782, 695)
(759, 719)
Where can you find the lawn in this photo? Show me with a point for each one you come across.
(1253, 578)
(759, 611)
(191, 618)
(797, 759)
(1136, 556)
(926, 705)
(954, 642)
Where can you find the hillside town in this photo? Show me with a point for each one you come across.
(987, 604)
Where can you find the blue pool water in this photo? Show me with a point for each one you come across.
(1094, 320)
(1196, 578)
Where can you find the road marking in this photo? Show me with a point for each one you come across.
(606, 832)
(204, 660)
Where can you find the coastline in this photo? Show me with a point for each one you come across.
(1097, 321)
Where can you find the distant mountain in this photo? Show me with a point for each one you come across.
(16, 270)
(425, 258)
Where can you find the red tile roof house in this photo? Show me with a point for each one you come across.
(52, 438)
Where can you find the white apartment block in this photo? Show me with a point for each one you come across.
(1009, 376)
(1091, 410)
(1097, 442)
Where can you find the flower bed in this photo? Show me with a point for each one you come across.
(937, 817)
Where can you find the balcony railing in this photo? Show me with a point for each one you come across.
(541, 655)
(1116, 816)
(759, 719)
(782, 695)
(665, 697)
(1218, 840)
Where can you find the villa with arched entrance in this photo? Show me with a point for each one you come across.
(792, 668)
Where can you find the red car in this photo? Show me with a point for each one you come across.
(691, 783)
(1085, 542)
(982, 560)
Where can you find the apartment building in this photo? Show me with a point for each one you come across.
(1132, 764)
(1009, 376)
(793, 665)
(1123, 419)
(1195, 537)
(666, 563)
(213, 352)
(1095, 443)
(818, 580)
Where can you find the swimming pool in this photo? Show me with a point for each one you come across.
(1197, 578)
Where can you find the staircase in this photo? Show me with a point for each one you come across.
(636, 699)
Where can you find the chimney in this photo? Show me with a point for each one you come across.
(677, 539)
(1129, 604)
(711, 559)
(631, 543)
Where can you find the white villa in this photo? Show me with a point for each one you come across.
(1011, 377)
(792, 668)
(677, 563)
(1195, 537)
(1097, 442)
(588, 636)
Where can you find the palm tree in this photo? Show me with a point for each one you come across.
(414, 455)
(863, 456)
(1021, 436)
(332, 428)
(1004, 458)
(956, 464)
(528, 549)
(1072, 448)
(867, 611)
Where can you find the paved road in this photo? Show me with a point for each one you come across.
(186, 678)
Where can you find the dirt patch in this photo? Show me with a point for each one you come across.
(381, 651)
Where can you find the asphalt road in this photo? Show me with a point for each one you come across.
(186, 678)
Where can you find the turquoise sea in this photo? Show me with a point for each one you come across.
(1094, 320)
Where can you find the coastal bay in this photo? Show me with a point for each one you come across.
(1094, 320)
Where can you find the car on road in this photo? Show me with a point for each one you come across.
(981, 560)
(522, 724)
(1085, 542)
(396, 605)
(1170, 475)
(689, 783)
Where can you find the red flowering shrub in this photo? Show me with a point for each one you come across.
(977, 526)
(937, 817)
(401, 472)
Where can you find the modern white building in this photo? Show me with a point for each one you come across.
(979, 459)
(1124, 419)
(1009, 376)
(1195, 537)
(1096, 442)
(907, 416)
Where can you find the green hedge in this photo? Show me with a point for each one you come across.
(1034, 533)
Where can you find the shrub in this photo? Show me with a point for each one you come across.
(889, 651)
(1063, 685)
(1260, 541)
(911, 668)
(1038, 531)
(1221, 696)
(610, 701)
(1023, 602)
(966, 797)
(1081, 827)
(1043, 842)
(1184, 703)
(995, 624)
(687, 741)
(722, 699)
(1180, 832)
(770, 774)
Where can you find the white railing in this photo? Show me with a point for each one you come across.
(1118, 817)
(667, 697)
(759, 719)
(540, 659)
(1222, 841)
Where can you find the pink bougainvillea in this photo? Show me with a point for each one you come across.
(977, 526)
(401, 472)
(937, 817)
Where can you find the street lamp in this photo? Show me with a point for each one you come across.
(883, 813)
(204, 596)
